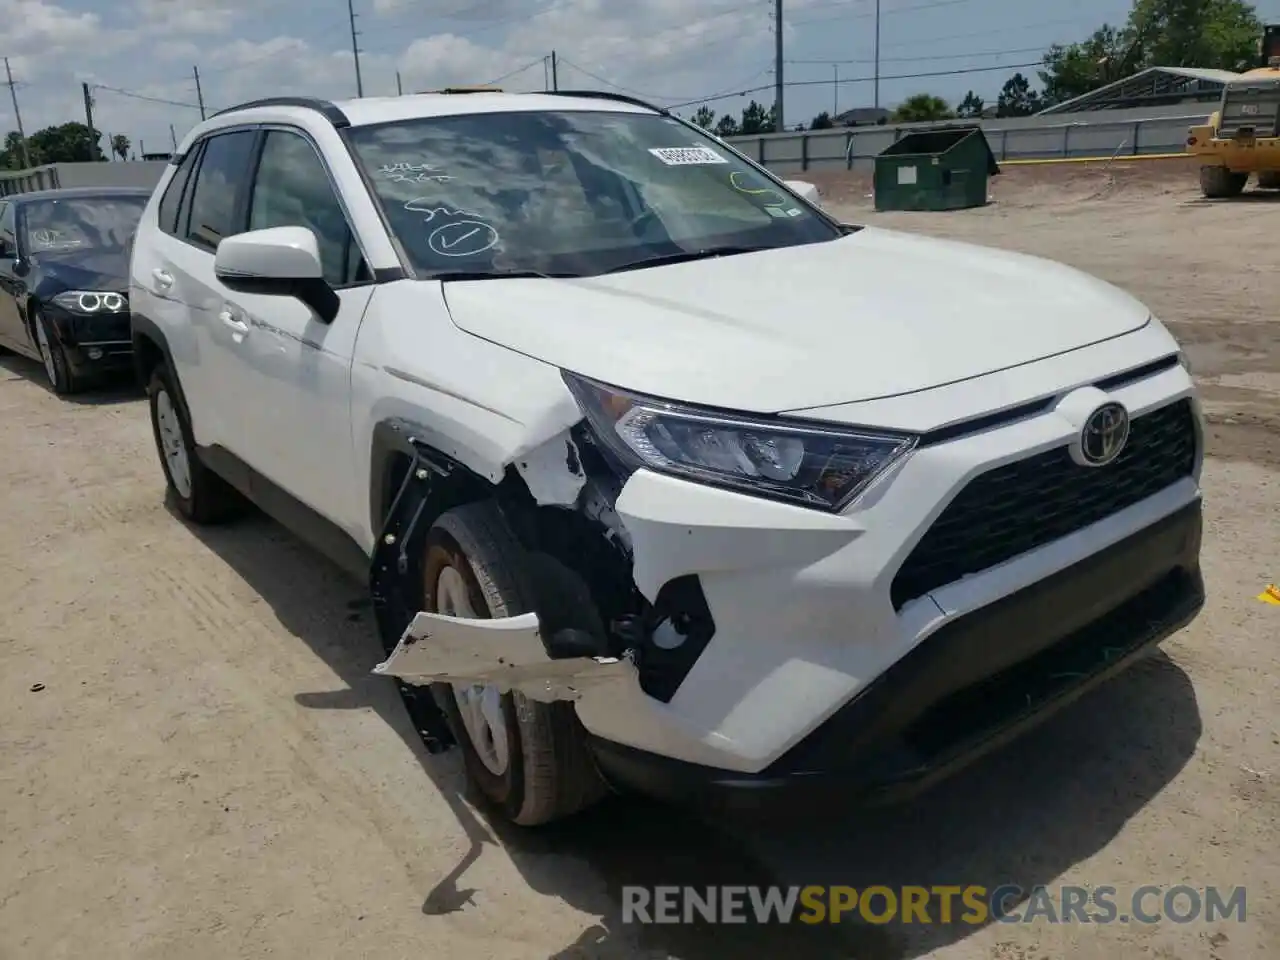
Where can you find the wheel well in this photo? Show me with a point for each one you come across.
(147, 355)
(577, 541)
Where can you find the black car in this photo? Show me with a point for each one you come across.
(64, 279)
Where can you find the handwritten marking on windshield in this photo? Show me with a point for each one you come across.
(462, 238)
(412, 173)
(775, 198)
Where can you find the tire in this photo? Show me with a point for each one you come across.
(200, 495)
(547, 771)
(1217, 182)
(1270, 180)
(62, 381)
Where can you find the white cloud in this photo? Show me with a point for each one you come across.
(245, 49)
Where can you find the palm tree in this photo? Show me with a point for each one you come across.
(120, 146)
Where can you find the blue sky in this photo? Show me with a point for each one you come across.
(666, 50)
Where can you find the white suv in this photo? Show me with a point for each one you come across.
(661, 477)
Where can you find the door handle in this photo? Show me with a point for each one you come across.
(163, 280)
(236, 326)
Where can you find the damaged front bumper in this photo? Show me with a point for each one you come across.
(971, 687)
(507, 652)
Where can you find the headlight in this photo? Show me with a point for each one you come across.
(89, 301)
(811, 465)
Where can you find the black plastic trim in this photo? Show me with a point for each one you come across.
(1031, 408)
(389, 274)
(914, 725)
(325, 108)
(608, 95)
(321, 534)
(1138, 373)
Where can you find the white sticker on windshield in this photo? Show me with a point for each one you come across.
(776, 212)
(686, 156)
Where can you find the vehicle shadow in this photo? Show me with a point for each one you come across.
(1024, 816)
(119, 388)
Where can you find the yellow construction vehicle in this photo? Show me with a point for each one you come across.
(1242, 136)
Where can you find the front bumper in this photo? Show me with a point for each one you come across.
(970, 687)
(805, 610)
(96, 344)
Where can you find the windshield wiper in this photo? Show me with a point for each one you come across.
(498, 275)
(685, 256)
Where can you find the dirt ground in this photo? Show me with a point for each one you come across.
(196, 762)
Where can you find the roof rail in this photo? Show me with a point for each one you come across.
(609, 95)
(324, 107)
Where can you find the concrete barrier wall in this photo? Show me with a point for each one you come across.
(51, 176)
(1095, 134)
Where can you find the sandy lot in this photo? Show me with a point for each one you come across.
(209, 771)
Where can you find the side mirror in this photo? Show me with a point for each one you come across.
(806, 190)
(278, 261)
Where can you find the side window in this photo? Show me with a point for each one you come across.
(292, 189)
(223, 168)
(171, 202)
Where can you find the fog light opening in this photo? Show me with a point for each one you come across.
(95, 353)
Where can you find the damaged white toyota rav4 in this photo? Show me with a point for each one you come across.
(662, 478)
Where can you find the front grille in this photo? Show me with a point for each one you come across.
(1263, 106)
(1013, 509)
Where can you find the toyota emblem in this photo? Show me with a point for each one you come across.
(1104, 435)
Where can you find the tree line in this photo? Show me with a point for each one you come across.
(63, 143)
(1211, 34)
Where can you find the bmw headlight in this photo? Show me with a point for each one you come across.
(89, 302)
(812, 465)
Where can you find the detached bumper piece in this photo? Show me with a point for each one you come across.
(971, 687)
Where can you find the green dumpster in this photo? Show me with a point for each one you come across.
(942, 168)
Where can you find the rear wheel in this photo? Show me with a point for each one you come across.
(1217, 182)
(199, 494)
(1270, 180)
(528, 758)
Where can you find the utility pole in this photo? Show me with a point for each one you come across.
(199, 92)
(546, 73)
(835, 90)
(555, 79)
(399, 85)
(17, 115)
(88, 118)
(778, 124)
(173, 138)
(355, 49)
(877, 54)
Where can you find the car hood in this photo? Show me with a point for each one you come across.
(874, 314)
(105, 270)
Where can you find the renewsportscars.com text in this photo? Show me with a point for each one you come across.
(972, 904)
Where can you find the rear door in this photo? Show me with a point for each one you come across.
(295, 367)
(208, 203)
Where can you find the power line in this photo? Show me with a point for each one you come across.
(145, 97)
(728, 91)
(945, 56)
(541, 61)
(901, 76)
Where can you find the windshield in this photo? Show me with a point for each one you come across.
(574, 193)
(81, 223)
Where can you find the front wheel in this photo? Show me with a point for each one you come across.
(1217, 182)
(62, 380)
(528, 758)
(1269, 180)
